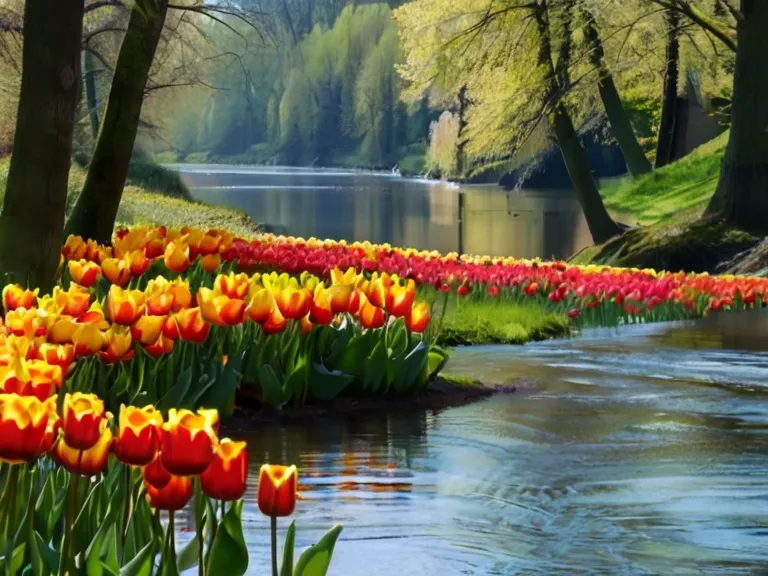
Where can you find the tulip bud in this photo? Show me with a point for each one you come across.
(277, 490)
(225, 479)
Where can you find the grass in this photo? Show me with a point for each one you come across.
(159, 200)
(471, 322)
(667, 205)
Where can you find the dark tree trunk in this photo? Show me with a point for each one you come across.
(94, 214)
(665, 144)
(637, 163)
(461, 137)
(90, 93)
(601, 225)
(36, 195)
(742, 192)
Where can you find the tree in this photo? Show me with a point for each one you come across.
(741, 197)
(666, 141)
(35, 199)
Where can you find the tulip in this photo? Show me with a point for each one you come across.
(31, 378)
(275, 323)
(225, 478)
(191, 326)
(182, 296)
(371, 316)
(340, 296)
(277, 490)
(187, 441)
(28, 323)
(376, 292)
(171, 328)
(74, 302)
(173, 496)
(159, 347)
(124, 306)
(399, 299)
(147, 329)
(293, 303)
(261, 304)
(321, 311)
(210, 243)
(87, 462)
(118, 345)
(232, 285)
(83, 272)
(158, 297)
(57, 355)
(211, 262)
(84, 420)
(23, 421)
(14, 296)
(155, 474)
(418, 319)
(138, 435)
(138, 263)
(74, 248)
(88, 339)
(177, 257)
(155, 247)
(220, 309)
(116, 270)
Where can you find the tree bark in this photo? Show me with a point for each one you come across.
(741, 197)
(665, 144)
(36, 195)
(96, 209)
(461, 136)
(637, 162)
(90, 93)
(601, 225)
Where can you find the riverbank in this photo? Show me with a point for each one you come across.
(155, 196)
(666, 207)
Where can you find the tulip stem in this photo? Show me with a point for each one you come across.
(11, 489)
(273, 523)
(172, 536)
(64, 561)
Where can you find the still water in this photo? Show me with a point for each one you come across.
(638, 451)
(381, 207)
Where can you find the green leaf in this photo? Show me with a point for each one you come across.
(376, 368)
(220, 393)
(189, 556)
(412, 366)
(316, 559)
(327, 385)
(273, 392)
(290, 539)
(141, 565)
(436, 361)
(101, 556)
(229, 554)
(178, 396)
(48, 558)
(398, 339)
(352, 359)
(17, 558)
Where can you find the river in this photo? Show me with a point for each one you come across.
(642, 450)
(381, 207)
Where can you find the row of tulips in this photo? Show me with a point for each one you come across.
(81, 495)
(590, 294)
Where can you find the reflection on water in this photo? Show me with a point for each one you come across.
(637, 451)
(384, 208)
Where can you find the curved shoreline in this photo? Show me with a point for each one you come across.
(444, 392)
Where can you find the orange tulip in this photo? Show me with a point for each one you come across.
(87, 462)
(52, 428)
(187, 441)
(147, 329)
(155, 247)
(173, 496)
(138, 435)
(277, 490)
(371, 316)
(118, 345)
(293, 303)
(159, 297)
(159, 347)
(210, 243)
(182, 296)
(84, 420)
(340, 296)
(220, 309)
(275, 323)
(261, 304)
(321, 311)
(356, 301)
(124, 306)
(23, 421)
(14, 296)
(74, 302)
(74, 248)
(376, 292)
(138, 263)
(171, 328)
(232, 285)
(116, 270)
(88, 339)
(192, 327)
(399, 299)
(83, 272)
(211, 262)
(28, 323)
(57, 355)
(155, 473)
(176, 256)
(30, 378)
(225, 478)
(418, 319)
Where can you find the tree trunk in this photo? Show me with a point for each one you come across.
(36, 195)
(665, 144)
(742, 192)
(637, 163)
(601, 225)
(96, 209)
(461, 136)
(90, 94)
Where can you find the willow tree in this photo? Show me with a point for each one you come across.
(35, 199)
(513, 56)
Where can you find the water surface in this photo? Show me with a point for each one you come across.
(381, 207)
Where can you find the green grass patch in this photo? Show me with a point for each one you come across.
(492, 321)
